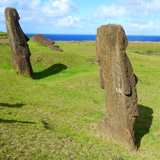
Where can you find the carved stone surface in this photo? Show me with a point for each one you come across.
(20, 54)
(41, 39)
(119, 82)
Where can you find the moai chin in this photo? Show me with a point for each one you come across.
(119, 82)
(20, 54)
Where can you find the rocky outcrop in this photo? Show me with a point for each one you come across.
(119, 82)
(20, 54)
(41, 39)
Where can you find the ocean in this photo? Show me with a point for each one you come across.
(84, 37)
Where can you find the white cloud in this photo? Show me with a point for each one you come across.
(130, 2)
(58, 8)
(137, 16)
(39, 13)
(19, 4)
(153, 5)
(35, 2)
(27, 18)
(128, 8)
(2, 13)
(49, 15)
(140, 7)
(109, 12)
(51, 8)
(68, 21)
(148, 25)
(8, 2)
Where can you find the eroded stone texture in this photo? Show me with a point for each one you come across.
(20, 54)
(41, 39)
(119, 82)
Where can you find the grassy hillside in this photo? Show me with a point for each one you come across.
(3, 35)
(55, 115)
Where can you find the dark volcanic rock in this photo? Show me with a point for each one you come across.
(41, 39)
(20, 54)
(119, 82)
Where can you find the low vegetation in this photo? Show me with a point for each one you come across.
(54, 116)
(3, 35)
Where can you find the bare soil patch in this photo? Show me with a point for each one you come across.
(2, 41)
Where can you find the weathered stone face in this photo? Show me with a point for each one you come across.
(20, 54)
(119, 82)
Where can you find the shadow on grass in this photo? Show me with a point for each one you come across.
(17, 105)
(14, 121)
(47, 125)
(143, 123)
(54, 69)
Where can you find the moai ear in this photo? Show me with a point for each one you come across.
(136, 79)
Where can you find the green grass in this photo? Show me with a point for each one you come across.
(3, 35)
(147, 48)
(55, 115)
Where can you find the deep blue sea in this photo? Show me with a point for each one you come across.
(84, 37)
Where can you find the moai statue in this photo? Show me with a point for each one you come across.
(20, 54)
(119, 82)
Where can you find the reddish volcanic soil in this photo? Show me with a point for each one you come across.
(4, 41)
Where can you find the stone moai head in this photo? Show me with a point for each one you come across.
(20, 54)
(119, 82)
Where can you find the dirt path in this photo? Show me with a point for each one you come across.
(2, 41)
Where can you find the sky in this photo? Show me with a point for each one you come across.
(138, 17)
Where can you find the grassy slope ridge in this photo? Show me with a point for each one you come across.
(55, 115)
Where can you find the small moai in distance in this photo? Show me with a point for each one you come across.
(41, 39)
(20, 54)
(119, 82)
